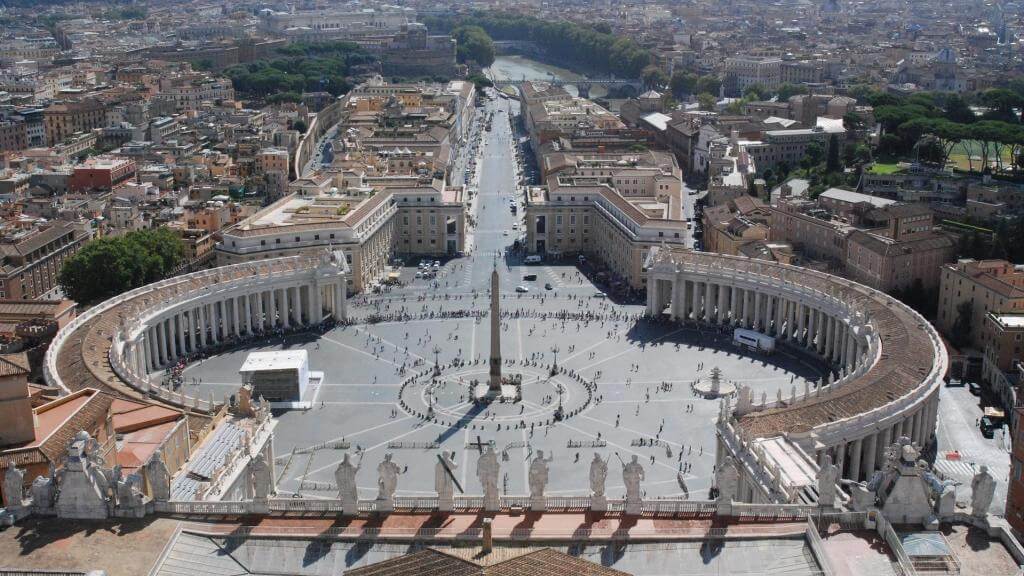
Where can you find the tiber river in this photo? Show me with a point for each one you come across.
(520, 68)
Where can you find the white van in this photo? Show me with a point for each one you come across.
(533, 259)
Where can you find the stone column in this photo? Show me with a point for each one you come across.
(746, 308)
(695, 300)
(318, 307)
(342, 300)
(180, 319)
(780, 317)
(261, 319)
(247, 312)
(811, 314)
(733, 313)
(285, 320)
(929, 424)
(841, 459)
(152, 357)
(723, 313)
(214, 323)
(272, 307)
(168, 325)
(236, 327)
(709, 304)
(855, 459)
(885, 439)
(161, 348)
(757, 313)
(801, 314)
(870, 455)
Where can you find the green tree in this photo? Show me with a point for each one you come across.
(958, 111)
(709, 84)
(706, 101)
(756, 92)
(109, 266)
(787, 91)
(653, 77)
(813, 155)
(1002, 104)
(474, 45)
(480, 81)
(300, 126)
(683, 84)
(852, 121)
(832, 163)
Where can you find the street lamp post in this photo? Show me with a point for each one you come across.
(437, 365)
(554, 363)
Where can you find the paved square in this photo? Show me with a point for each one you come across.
(625, 386)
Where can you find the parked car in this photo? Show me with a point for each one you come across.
(530, 277)
(974, 388)
(522, 289)
(547, 286)
(988, 427)
(600, 295)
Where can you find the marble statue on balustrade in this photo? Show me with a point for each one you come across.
(14, 487)
(598, 475)
(131, 502)
(159, 478)
(983, 488)
(538, 478)
(43, 491)
(387, 483)
(727, 481)
(828, 475)
(262, 478)
(632, 475)
(348, 492)
(487, 471)
(444, 481)
(83, 486)
(744, 401)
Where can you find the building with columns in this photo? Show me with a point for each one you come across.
(117, 345)
(887, 364)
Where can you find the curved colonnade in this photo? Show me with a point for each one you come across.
(115, 345)
(889, 360)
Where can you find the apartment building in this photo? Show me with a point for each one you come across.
(743, 71)
(371, 221)
(730, 226)
(33, 258)
(13, 136)
(790, 146)
(990, 199)
(990, 286)
(872, 240)
(63, 120)
(608, 206)
(101, 173)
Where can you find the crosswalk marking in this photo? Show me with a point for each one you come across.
(958, 469)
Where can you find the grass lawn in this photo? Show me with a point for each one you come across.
(885, 169)
(959, 158)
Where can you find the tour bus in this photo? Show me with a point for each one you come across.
(533, 259)
(753, 340)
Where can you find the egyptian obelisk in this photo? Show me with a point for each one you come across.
(494, 384)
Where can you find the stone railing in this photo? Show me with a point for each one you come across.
(666, 506)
